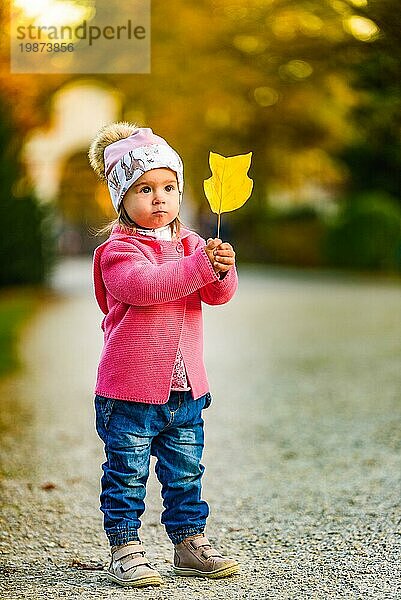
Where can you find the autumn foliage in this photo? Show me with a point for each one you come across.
(311, 87)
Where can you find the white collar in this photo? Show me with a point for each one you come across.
(160, 233)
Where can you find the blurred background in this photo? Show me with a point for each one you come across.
(311, 87)
(304, 363)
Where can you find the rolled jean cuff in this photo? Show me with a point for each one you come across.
(179, 535)
(122, 535)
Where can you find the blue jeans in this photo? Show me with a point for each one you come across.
(173, 433)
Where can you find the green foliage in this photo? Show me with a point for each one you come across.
(26, 245)
(280, 237)
(297, 214)
(366, 234)
(14, 309)
(373, 158)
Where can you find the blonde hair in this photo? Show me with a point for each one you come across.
(107, 135)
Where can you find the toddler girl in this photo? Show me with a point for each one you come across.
(150, 278)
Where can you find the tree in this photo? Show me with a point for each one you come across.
(25, 243)
(374, 156)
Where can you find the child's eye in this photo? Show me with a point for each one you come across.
(170, 187)
(146, 189)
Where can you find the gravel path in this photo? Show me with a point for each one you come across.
(302, 457)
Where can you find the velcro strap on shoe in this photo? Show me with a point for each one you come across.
(134, 562)
(209, 552)
(200, 541)
(127, 550)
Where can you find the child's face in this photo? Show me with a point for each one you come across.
(153, 200)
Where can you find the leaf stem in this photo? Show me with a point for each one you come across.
(218, 224)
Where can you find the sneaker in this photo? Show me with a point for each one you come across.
(129, 566)
(195, 557)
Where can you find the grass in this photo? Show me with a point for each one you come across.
(16, 306)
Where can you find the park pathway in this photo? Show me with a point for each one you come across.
(303, 445)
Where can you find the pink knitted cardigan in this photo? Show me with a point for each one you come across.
(150, 292)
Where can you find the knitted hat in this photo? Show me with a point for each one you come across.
(127, 159)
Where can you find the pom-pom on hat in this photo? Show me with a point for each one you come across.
(128, 157)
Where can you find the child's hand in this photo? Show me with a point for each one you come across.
(224, 257)
(212, 244)
(221, 255)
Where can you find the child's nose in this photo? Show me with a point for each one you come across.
(158, 197)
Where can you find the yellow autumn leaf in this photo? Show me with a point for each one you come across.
(229, 187)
